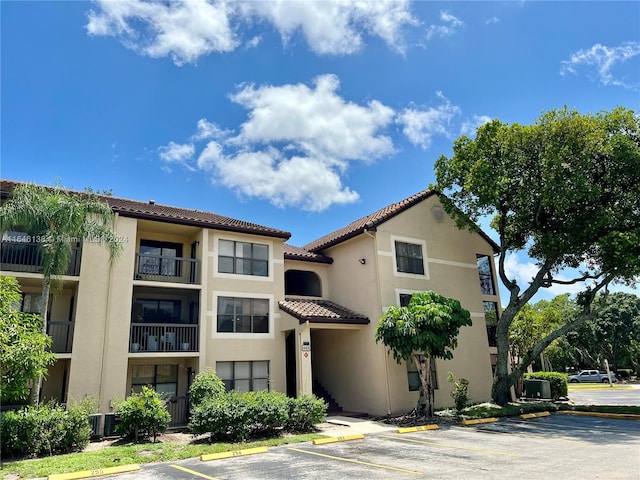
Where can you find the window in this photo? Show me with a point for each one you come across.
(301, 282)
(413, 377)
(243, 258)
(409, 258)
(157, 311)
(244, 376)
(405, 298)
(491, 319)
(486, 277)
(160, 258)
(162, 378)
(243, 315)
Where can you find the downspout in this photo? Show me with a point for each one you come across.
(106, 328)
(384, 353)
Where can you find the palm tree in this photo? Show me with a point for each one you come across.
(56, 218)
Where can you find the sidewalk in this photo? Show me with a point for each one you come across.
(339, 426)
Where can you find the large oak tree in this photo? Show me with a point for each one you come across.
(565, 190)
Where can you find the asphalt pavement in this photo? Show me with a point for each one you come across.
(628, 394)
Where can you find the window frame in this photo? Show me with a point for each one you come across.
(491, 327)
(230, 383)
(155, 383)
(239, 302)
(242, 335)
(253, 261)
(177, 307)
(395, 240)
(486, 278)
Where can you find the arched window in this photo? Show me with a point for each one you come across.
(301, 282)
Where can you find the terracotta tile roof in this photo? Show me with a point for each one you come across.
(297, 253)
(371, 222)
(321, 311)
(165, 213)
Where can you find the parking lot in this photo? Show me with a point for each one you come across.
(558, 446)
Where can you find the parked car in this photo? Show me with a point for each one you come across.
(591, 376)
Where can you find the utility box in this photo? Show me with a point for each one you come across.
(534, 388)
(95, 420)
(110, 422)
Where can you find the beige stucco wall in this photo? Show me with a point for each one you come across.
(450, 269)
(222, 347)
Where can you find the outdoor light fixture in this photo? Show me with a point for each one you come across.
(363, 261)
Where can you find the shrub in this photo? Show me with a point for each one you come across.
(557, 380)
(237, 416)
(44, 430)
(304, 412)
(460, 392)
(143, 415)
(205, 386)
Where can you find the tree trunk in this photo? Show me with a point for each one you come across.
(425, 402)
(34, 398)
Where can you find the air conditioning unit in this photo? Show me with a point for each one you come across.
(95, 420)
(111, 420)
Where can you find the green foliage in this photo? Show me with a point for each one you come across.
(429, 324)
(206, 385)
(143, 415)
(304, 412)
(557, 381)
(24, 354)
(566, 191)
(44, 430)
(237, 416)
(57, 219)
(460, 392)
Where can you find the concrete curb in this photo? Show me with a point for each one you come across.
(98, 472)
(619, 416)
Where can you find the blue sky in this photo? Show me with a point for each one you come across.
(298, 115)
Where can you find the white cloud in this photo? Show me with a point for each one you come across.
(182, 30)
(297, 142)
(420, 126)
(187, 30)
(603, 59)
(336, 27)
(470, 126)
(450, 24)
(302, 181)
(314, 121)
(207, 130)
(492, 20)
(253, 42)
(177, 153)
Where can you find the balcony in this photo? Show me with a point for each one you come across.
(61, 334)
(160, 268)
(25, 257)
(163, 337)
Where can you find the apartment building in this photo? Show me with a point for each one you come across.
(195, 290)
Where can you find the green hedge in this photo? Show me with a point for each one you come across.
(236, 416)
(143, 415)
(557, 380)
(44, 430)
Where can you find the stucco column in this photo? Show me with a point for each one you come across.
(305, 380)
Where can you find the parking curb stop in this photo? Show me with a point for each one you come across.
(98, 472)
(421, 428)
(477, 421)
(526, 416)
(323, 441)
(232, 453)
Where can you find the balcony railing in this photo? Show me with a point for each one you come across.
(25, 257)
(61, 334)
(160, 268)
(162, 337)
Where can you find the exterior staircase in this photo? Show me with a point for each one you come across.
(319, 391)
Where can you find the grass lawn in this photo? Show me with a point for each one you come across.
(132, 453)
